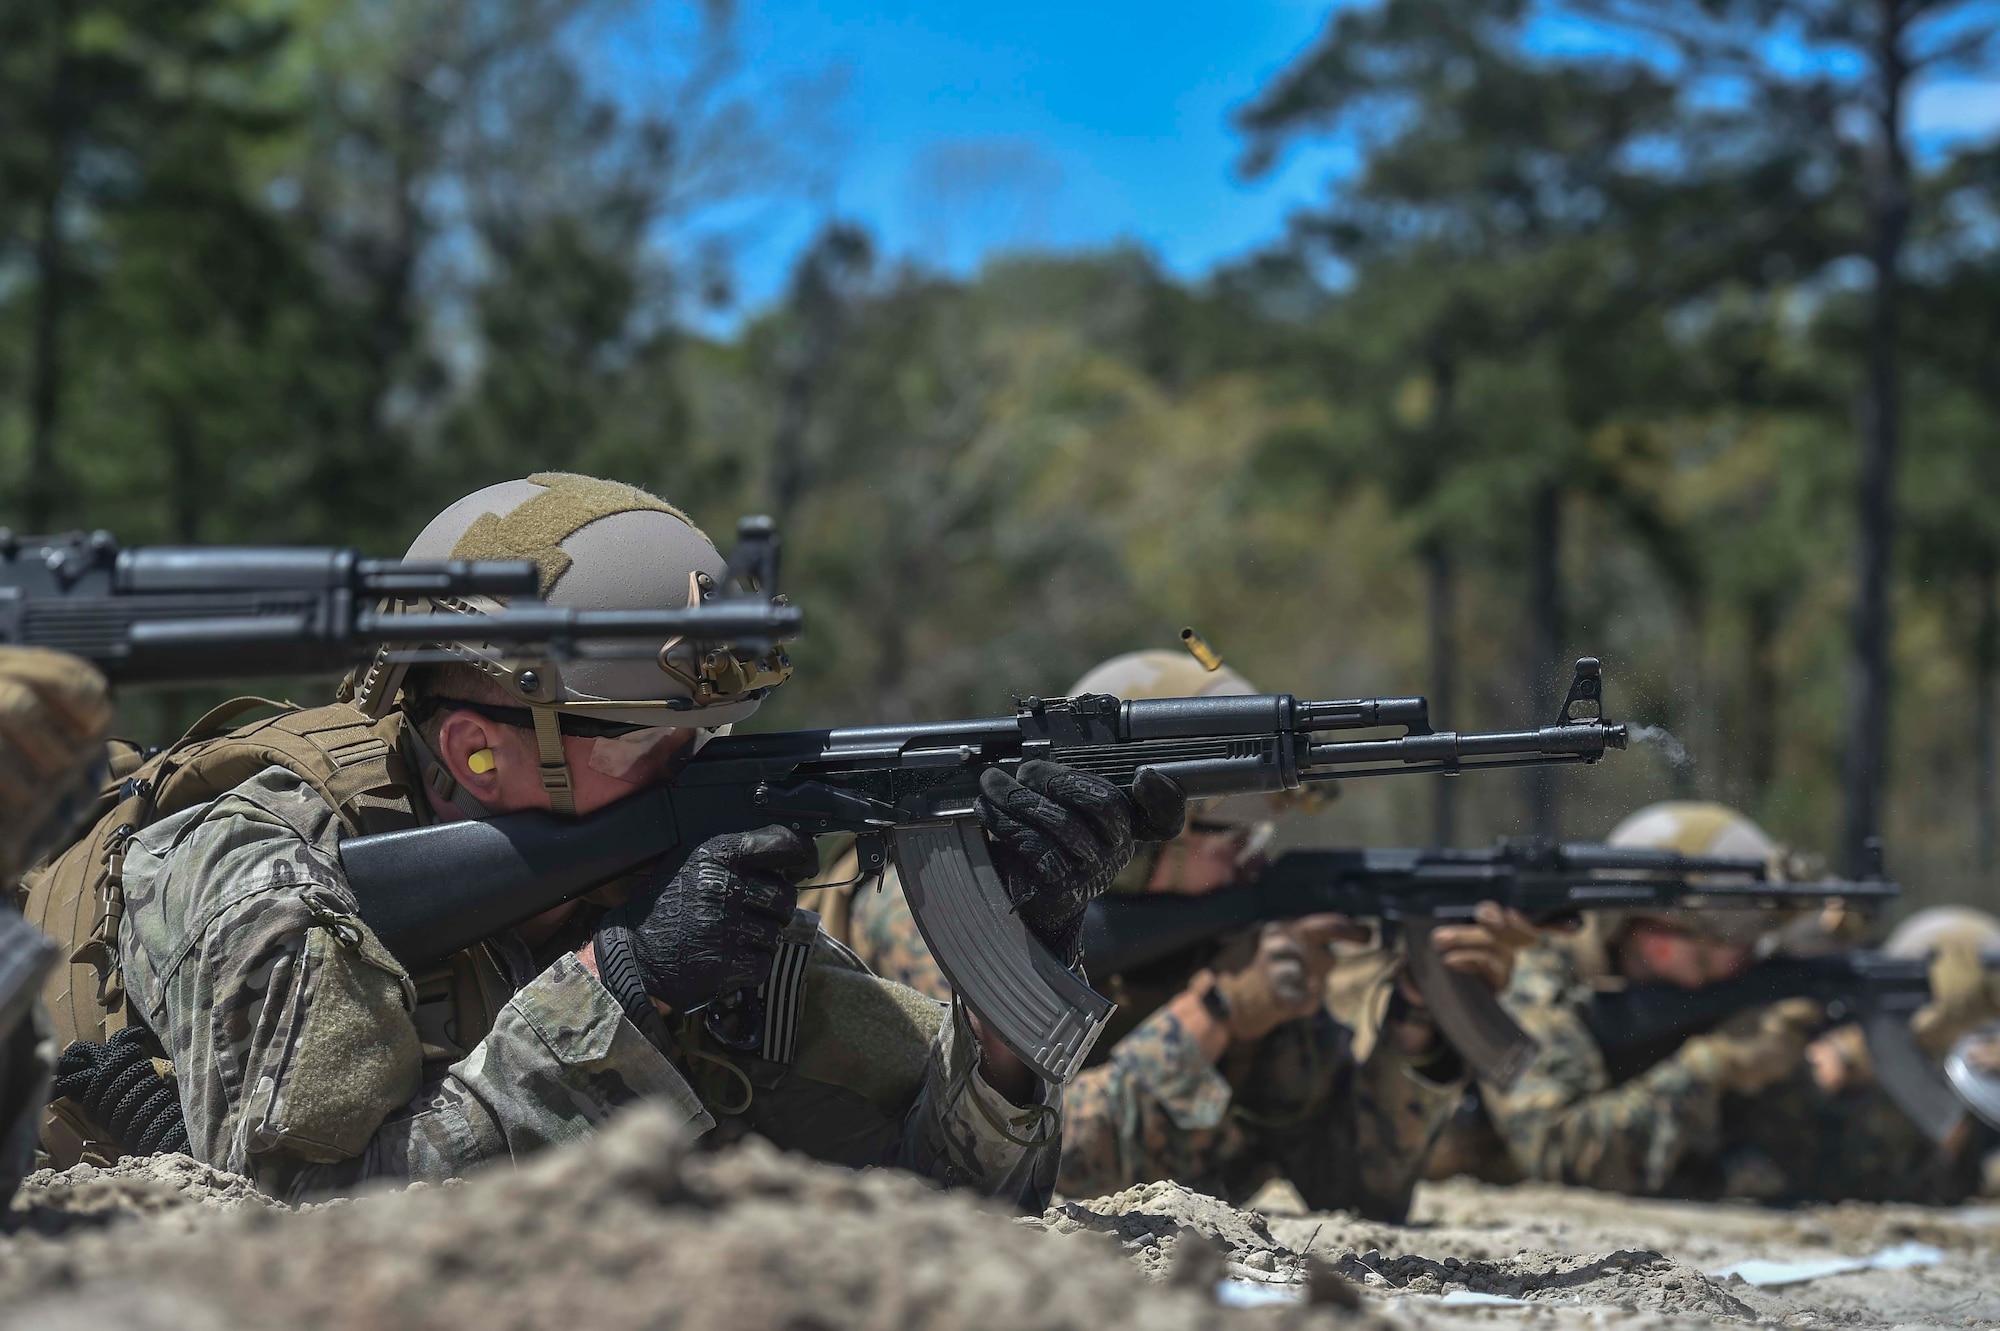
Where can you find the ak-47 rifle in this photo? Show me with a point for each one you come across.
(167, 614)
(908, 791)
(1412, 891)
(1637, 1026)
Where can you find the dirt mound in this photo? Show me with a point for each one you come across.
(630, 1230)
(1630, 1279)
(51, 1203)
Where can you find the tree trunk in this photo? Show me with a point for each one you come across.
(1866, 758)
(1985, 669)
(1545, 648)
(1760, 722)
(42, 489)
(1442, 593)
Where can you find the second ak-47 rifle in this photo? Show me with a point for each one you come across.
(1412, 891)
(908, 791)
(1639, 1025)
(167, 614)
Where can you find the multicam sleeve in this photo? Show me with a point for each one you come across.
(1400, 1109)
(1563, 1122)
(1156, 1109)
(289, 1026)
(963, 1133)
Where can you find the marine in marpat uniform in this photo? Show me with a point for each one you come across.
(1225, 1068)
(1749, 1109)
(310, 1060)
(53, 714)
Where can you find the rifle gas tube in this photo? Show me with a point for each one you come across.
(908, 791)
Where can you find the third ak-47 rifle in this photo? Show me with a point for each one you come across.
(1639, 1025)
(1412, 891)
(908, 791)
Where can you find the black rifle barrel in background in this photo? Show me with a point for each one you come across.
(1545, 882)
(1638, 1026)
(177, 614)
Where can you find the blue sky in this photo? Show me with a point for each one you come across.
(952, 129)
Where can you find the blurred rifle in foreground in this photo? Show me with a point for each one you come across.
(169, 614)
(1412, 891)
(909, 791)
(1638, 1026)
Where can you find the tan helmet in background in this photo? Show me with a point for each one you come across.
(600, 545)
(1163, 674)
(1958, 941)
(1689, 827)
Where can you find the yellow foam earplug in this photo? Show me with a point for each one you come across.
(480, 761)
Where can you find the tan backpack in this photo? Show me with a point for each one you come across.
(77, 898)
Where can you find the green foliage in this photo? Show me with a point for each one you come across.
(307, 270)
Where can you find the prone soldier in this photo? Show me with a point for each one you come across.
(1764, 1106)
(308, 1058)
(1226, 1071)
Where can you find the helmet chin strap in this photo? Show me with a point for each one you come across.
(439, 780)
(555, 764)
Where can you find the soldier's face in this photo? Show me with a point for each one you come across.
(602, 771)
(1199, 861)
(1656, 954)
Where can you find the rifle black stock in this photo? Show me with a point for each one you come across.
(168, 614)
(1416, 890)
(1637, 1026)
(909, 791)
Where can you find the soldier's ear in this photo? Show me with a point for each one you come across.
(476, 750)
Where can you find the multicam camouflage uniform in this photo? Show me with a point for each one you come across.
(306, 1064)
(1671, 1130)
(1294, 1105)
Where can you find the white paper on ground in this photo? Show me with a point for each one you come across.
(1471, 1297)
(1768, 1274)
(1235, 1292)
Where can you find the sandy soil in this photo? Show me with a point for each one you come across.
(635, 1230)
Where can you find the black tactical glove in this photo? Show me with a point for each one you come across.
(711, 927)
(1060, 836)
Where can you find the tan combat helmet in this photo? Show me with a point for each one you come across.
(1700, 827)
(1691, 827)
(600, 545)
(1158, 674)
(1959, 942)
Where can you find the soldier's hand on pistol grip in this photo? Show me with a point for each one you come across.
(54, 710)
(1484, 949)
(711, 927)
(1755, 1050)
(1285, 978)
(1060, 836)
